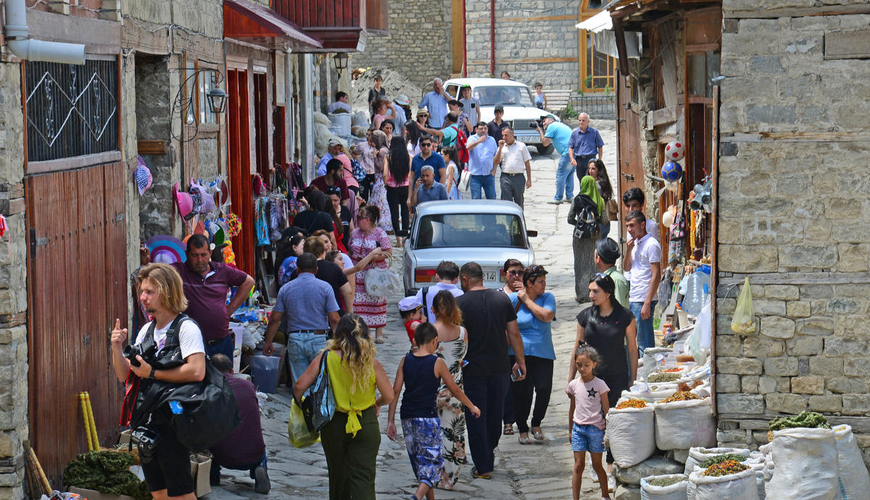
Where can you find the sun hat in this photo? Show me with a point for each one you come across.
(166, 249)
(410, 304)
(183, 202)
(402, 100)
(143, 176)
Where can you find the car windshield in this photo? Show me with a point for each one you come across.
(508, 96)
(470, 230)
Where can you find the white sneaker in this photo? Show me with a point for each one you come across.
(593, 475)
(611, 484)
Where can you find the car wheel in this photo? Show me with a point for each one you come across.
(545, 150)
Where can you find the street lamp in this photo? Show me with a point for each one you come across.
(340, 61)
(217, 100)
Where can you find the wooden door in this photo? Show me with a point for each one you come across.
(630, 168)
(261, 127)
(77, 286)
(238, 126)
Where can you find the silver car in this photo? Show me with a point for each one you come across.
(488, 232)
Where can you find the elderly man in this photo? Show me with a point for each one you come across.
(206, 284)
(426, 189)
(481, 163)
(516, 167)
(332, 150)
(436, 103)
(341, 102)
(558, 134)
(584, 145)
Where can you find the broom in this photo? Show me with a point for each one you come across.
(36, 468)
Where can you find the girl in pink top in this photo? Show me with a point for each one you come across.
(589, 405)
(381, 108)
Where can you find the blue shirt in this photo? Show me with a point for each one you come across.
(306, 303)
(585, 144)
(537, 335)
(321, 167)
(435, 160)
(437, 106)
(481, 157)
(286, 270)
(435, 193)
(561, 136)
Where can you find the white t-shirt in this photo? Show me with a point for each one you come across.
(348, 262)
(432, 292)
(646, 252)
(189, 337)
(514, 158)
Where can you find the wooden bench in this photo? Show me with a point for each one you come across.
(557, 100)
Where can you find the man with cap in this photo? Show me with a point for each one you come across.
(341, 102)
(606, 255)
(436, 103)
(558, 134)
(495, 127)
(450, 131)
(471, 106)
(399, 113)
(332, 150)
(411, 310)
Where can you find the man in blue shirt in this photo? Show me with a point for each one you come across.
(426, 157)
(558, 134)
(584, 145)
(481, 162)
(436, 103)
(332, 150)
(311, 311)
(426, 189)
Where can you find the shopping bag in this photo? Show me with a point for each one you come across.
(743, 322)
(382, 282)
(300, 436)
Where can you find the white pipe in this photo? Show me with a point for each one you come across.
(23, 47)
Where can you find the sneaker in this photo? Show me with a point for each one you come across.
(568, 199)
(611, 484)
(261, 480)
(554, 201)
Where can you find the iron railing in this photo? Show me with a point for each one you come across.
(597, 106)
(71, 110)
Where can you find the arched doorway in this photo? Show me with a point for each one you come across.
(597, 69)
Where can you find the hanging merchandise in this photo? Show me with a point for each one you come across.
(668, 216)
(261, 225)
(229, 255)
(166, 249)
(207, 199)
(672, 171)
(234, 225)
(142, 176)
(259, 186)
(277, 216)
(675, 151)
(183, 202)
(743, 321)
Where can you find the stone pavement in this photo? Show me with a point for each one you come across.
(522, 472)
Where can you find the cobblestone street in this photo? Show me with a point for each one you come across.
(523, 472)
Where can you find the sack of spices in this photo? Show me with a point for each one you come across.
(854, 479)
(698, 454)
(735, 486)
(681, 425)
(631, 432)
(806, 465)
(743, 321)
(666, 487)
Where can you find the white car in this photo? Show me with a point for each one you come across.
(518, 103)
(488, 232)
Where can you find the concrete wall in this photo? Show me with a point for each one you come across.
(794, 217)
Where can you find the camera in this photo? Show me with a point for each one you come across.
(146, 349)
(146, 440)
(536, 124)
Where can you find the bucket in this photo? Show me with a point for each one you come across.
(264, 370)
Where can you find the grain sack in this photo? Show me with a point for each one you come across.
(806, 465)
(631, 433)
(699, 454)
(739, 486)
(676, 491)
(854, 479)
(684, 424)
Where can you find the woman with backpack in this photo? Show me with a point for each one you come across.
(586, 210)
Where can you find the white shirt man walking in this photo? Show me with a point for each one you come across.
(516, 169)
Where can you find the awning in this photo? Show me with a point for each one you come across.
(253, 23)
(597, 23)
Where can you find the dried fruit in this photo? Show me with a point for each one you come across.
(680, 396)
(721, 458)
(725, 468)
(663, 377)
(804, 419)
(666, 480)
(631, 403)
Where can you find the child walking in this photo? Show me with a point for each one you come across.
(411, 310)
(589, 406)
(421, 426)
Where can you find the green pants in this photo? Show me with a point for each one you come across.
(351, 460)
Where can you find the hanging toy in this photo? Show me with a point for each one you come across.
(672, 171)
(234, 225)
(229, 255)
(675, 151)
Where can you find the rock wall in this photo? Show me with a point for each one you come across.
(793, 216)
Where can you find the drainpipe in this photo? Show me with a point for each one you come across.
(491, 37)
(464, 43)
(23, 47)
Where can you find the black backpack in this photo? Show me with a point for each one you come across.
(210, 410)
(585, 220)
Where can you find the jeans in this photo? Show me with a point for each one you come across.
(302, 348)
(487, 182)
(645, 336)
(583, 165)
(565, 178)
(397, 197)
(225, 347)
(539, 380)
(487, 393)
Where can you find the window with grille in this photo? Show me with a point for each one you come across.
(71, 110)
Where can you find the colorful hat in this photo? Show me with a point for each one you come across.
(143, 176)
(183, 202)
(166, 249)
(208, 205)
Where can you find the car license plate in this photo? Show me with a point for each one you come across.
(490, 275)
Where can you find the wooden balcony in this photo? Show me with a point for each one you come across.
(341, 25)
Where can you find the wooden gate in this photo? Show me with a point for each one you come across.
(630, 171)
(239, 131)
(77, 286)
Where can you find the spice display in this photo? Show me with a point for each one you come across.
(683, 387)
(663, 377)
(721, 458)
(673, 370)
(631, 403)
(725, 468)
(804, 419)
(106, 472)
(680, 396)
(666, 480)
(697, 383)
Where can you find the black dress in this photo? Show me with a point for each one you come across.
(607, 336)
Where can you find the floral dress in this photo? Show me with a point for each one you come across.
(373, 310)
(378, 198)
(450, 410)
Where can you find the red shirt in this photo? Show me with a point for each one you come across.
(244, 446)
(207, 297)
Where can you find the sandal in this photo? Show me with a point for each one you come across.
(524, 440)
(539, 436)
(379, 339)
(477, 475)
(508, 429)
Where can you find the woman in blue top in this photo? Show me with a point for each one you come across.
(536, 309)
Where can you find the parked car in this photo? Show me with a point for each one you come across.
(484, 231)
(515, 97)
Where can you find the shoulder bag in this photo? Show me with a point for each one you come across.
(382, 282)
(318, 402)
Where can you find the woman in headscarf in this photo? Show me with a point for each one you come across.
(586, 210)
(380, 152)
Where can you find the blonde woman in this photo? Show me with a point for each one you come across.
(351, 440)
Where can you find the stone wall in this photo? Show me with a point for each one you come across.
(794, 217)
(543, 49)
(418, 44)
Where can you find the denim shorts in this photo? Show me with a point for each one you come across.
(587, 438)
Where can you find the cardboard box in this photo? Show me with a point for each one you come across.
(200, 469)
(96, 495)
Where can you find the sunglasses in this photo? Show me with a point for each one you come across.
(425, 145)
(515, 273)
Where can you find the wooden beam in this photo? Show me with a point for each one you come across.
(839, 136)
(620, 46)
(152, 147)
(664, 116)
(847, 44)
(524, 19)
(824, 10)
(795, 278)
(534, 60)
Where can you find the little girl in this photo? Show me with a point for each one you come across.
(589, 406)
(421, 426)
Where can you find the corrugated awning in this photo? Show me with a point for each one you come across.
(253, 23)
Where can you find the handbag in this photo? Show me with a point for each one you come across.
(318, 402)
(464, 179)
(382, 282)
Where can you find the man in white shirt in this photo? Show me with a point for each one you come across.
(341, 102)
(634, 199)
(481, 163)
(516, 167)
(447, 274)
(642, 261)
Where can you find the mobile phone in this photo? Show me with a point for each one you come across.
(516, 376)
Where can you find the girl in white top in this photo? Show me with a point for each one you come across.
(452, 184)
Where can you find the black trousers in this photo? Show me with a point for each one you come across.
(583, 164)
(366, 186)
(487, 393)
(539, 380)
(397, 197)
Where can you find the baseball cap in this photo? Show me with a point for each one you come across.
(410, 304)
(334, 142)
(498, 107)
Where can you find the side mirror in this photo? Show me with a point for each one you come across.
(532, 234)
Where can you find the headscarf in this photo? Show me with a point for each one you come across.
(590, 189)
(379, 139)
